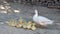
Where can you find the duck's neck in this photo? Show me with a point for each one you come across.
(36, 14)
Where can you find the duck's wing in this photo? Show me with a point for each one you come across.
(45, 20)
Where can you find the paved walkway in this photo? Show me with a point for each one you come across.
(27, 12)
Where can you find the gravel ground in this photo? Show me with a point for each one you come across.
(27, 11)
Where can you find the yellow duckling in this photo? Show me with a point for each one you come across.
(25, 24)
(12, 23)
(20, 24)
(20, 20)
(33, 26)
(29, 25)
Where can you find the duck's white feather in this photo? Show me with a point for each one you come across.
(41, 19)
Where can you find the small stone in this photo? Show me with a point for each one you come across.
(1, 7)
(16, 11)
(3, 11)
(1, 23)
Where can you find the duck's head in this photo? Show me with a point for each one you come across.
(36, 12)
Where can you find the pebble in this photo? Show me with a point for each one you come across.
(16, 11)
(3, 12)
(1, 23)
(1, 7)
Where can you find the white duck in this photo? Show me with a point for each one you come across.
(41, 20)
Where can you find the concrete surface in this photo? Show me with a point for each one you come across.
(27, 11)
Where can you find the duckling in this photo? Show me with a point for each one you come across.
(12, 23)
(29, 25)
(33, 26)
(20, 24)
(25, 24)
(20, 20)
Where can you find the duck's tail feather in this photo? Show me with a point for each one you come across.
(50, 22)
